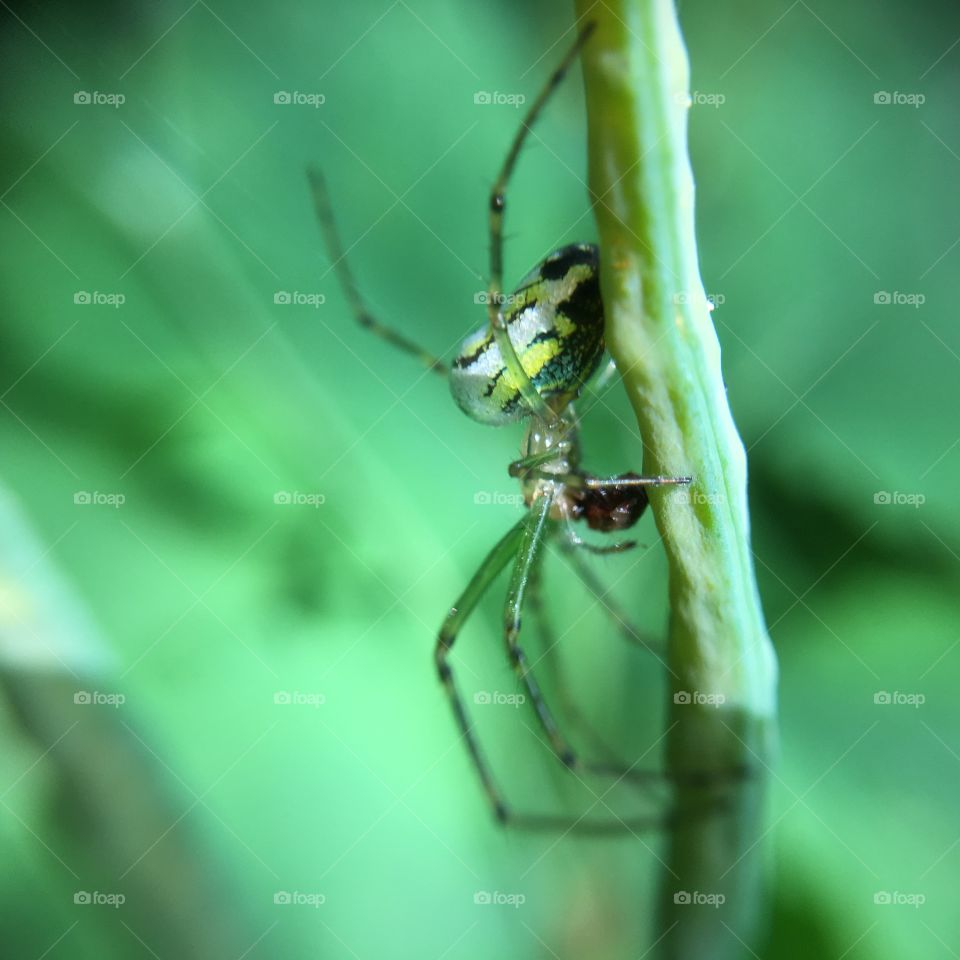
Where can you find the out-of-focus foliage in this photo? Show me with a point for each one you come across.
(201, 400)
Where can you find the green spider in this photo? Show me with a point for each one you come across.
(532, 359)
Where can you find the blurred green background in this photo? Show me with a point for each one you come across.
(829, 228)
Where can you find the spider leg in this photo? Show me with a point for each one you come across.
(525, 573)
(603, 378)
(498, 203)
(528, 554)
(614, 766)
(621, 546)
(570, 548)
(338, 259)
(553, 665)
(590, 395)
(495, 561)
(599, 483)
(525, 466)
(614, 611)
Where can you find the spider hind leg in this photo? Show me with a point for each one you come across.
(341, 267)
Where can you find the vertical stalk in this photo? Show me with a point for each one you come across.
(659, 331)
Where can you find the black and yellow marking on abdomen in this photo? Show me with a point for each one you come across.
(555, 322)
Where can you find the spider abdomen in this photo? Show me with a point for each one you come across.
(555, 322)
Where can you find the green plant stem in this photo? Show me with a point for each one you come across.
(660, 333)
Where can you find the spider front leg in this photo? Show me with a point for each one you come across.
(497, 208)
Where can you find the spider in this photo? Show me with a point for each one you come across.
(531, 360)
